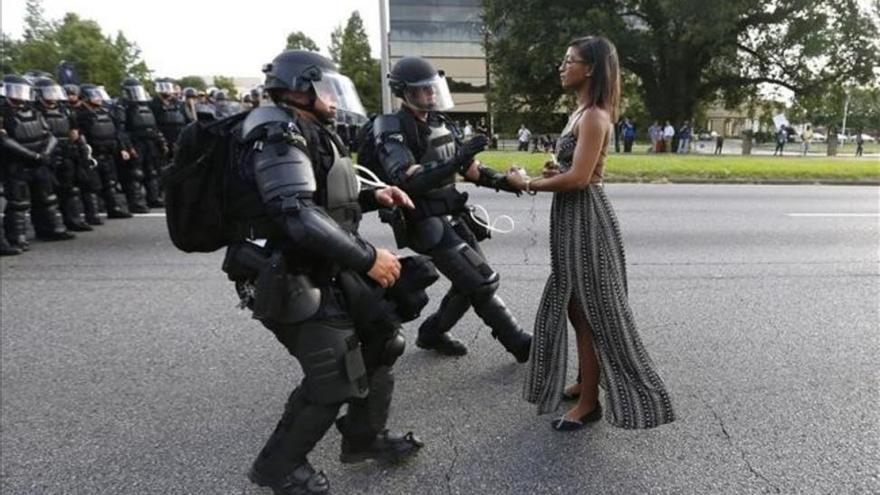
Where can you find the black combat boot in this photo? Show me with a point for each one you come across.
(383, 447)
(302, 480)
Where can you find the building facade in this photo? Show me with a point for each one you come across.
(448, 33)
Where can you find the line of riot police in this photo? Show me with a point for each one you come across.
(72, 153)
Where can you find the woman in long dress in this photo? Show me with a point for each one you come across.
(587, 283)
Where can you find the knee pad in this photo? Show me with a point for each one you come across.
(393, 349)
(465, 268)
(332, 362)
(137, 174)
(484, 292)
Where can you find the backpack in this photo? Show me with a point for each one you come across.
(195, 185)
(366, 151)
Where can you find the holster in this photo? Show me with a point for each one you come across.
(394, 217)
(479, 230)
(280, 296)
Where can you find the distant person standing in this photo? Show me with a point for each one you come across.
(468, 130)
(654, 133)
(719, 142)
(781, 138)
(684, 137)
(629, 135)
(807, 138)
(618, 131)
(832, 141)
(668, 133)
(523, 136)
(860, 143)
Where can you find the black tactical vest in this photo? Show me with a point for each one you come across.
(27, 126)
(59, 123)
(170, 120)
(101, 129)
(140, 121)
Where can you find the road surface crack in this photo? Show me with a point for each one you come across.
(742, 452)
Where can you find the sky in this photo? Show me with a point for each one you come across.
(206, 38)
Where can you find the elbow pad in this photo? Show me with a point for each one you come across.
(14, 146)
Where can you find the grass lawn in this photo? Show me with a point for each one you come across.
(638, 168)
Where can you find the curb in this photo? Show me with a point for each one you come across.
(778, 182)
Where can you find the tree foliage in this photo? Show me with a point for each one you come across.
(297, 40)
(683, 52)
(98, 58)
(350, 49)
(196, 82)
(227, 83)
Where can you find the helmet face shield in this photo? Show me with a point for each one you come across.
(165, 87)
(52, 93)
(19, 91)
(429, 95)
(96, 95)
(339, 91)
(137, 93)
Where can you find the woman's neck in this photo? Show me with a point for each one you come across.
(583, 95)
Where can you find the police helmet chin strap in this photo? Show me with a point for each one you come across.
(373, 180)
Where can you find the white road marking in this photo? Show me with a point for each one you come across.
(832, 214)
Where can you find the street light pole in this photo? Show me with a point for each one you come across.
(384, 64)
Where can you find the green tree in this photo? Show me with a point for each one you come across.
(227, 83)
(683, 52)
(36, 26)
(297, 40)
(193, 81)
(350, 49)
(863, 109)
(98, 58)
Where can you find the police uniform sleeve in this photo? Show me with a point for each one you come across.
(286, 181)
(118, 115)
(396, 159)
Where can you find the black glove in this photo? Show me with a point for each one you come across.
(468, 150)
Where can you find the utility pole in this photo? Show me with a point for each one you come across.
(384, 63)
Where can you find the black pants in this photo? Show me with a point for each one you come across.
(30, 189)
(460, 259)
(339, 367)
(107, 179)
(628, 145)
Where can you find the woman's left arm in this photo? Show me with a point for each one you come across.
(592, 133)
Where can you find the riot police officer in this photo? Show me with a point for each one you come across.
(145, 144)
(28, 146)
(169, 113)
(420, 150)
(190, 101)
(315, 267)
(97, 122)
(66, 158)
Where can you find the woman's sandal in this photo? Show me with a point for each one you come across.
(564, 424)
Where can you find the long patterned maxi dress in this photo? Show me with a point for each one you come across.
(588, 264)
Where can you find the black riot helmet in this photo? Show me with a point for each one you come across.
(17, 89)
(190, 92)
(133, 90)
(415, 81)
(165, 87)
(94, 95)
(302, 71)
(48, 91)
(71, 90)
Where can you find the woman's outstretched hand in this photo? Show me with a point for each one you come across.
(551, 168)
(517, 178)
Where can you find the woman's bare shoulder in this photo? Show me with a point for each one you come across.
(594, 117)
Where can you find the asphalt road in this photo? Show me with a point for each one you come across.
(126, 367)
